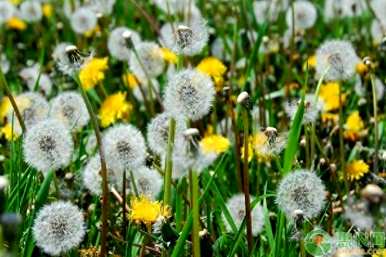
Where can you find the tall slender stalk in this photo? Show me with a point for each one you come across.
(195, 213)
(169, 162)
(246, 180)
(8, 93)
(376, 132)
(105, 189)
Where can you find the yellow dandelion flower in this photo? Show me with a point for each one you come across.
(16, 24)
(8, 132)
(214, 144)
(260, 146)
(379, 253)
(143, 210)
(327, 116)
(5, 106)
(92, 32)
(47, 10)
(169, 56)
(356, 169)
(92, 72)
(113, 108)
(209, 131)
(361, 68)
(329, 93)
(15, 2)
(311, 61)
(214, 68)
(354, 126)
(130, 80)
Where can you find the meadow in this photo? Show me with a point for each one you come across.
(192, 128)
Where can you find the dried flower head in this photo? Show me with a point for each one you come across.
(70, 108)
(301, 190)
(146, 61)
(336, 60)
(119, 44)
(358, 215)
(158, 132)
(187, 39)
(236, 207)
(125, 147)
(304, 15)
(190, 93)
(31, 11)
(58, 228)
(83, 20)
(148, 182)
(48, 146)
(7, 11)
(71, 59)
(33, 108)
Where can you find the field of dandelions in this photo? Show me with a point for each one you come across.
(192, 128)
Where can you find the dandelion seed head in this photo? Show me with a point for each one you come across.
(146, 61)
(4, 63)
(48, 146)
(71, 60)
(124, 147)
(158, 132)
(379, 8)
(337, 58)
(60, 50)
(190, 93)
(301, 190)
(33, 108)
(70, 108)
(174, 6)
(32, 74)
(359, 217)
(266, 10)
(83, 20)
(104, 7)
(31, 11)
(305, 15)
(352, 8)
(148, 182)
(236, 207)
(187, 39)
(7, 11)
(58, 228)
(312, 108)
(118, 44)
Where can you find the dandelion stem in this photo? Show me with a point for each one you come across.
(124, 218)
(376, 132)
(7, 91)
(196, 213)
(341, 141)
(246, 180)
(105, 190)
(169, 162)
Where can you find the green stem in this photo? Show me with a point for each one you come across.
(376, 132)
(169, 162)
(105, 189)
(196, 213)
(341, 139)
(7, 91)
(246, 180)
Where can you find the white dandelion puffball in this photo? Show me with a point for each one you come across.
(187, 38)
(301, 190)
(60, 51)
(33, 108)
(158, 132)
(31, 11)
(92, 179)
(379, 8)
(332, 9)
(83, 20)
(266, 10)
(4, 63)
(58, 228)
(352, 8)
(336, 59)
(139, 92)
(378, 31)
(312, 108)
(236, 207)
(70, 108)
(31, 75)
(125, 147)
(104, 7)
(148, 182)
(146, 61)
(189, 92)
(118, 45)
(7, 11)
(305, 15)
(174, 6)
(48, 146)
(71, 59)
